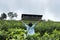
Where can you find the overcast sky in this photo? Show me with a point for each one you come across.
(50, 9)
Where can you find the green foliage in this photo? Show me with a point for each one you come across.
(3, 16)
(12, 15)
(15, 30)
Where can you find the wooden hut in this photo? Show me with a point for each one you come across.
(31, 17)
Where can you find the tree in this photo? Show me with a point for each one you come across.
(15, 15)
(10, 14)
(3, 16)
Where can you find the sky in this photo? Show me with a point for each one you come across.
(50, 9)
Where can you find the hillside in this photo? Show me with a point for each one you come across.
(15, 30)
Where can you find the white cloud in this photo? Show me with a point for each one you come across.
(48, 15)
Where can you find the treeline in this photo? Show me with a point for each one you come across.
(10, 15)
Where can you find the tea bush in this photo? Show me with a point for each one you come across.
(15, 30)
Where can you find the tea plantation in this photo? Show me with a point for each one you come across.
(15, 30)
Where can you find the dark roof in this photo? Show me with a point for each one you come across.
(31, 15)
